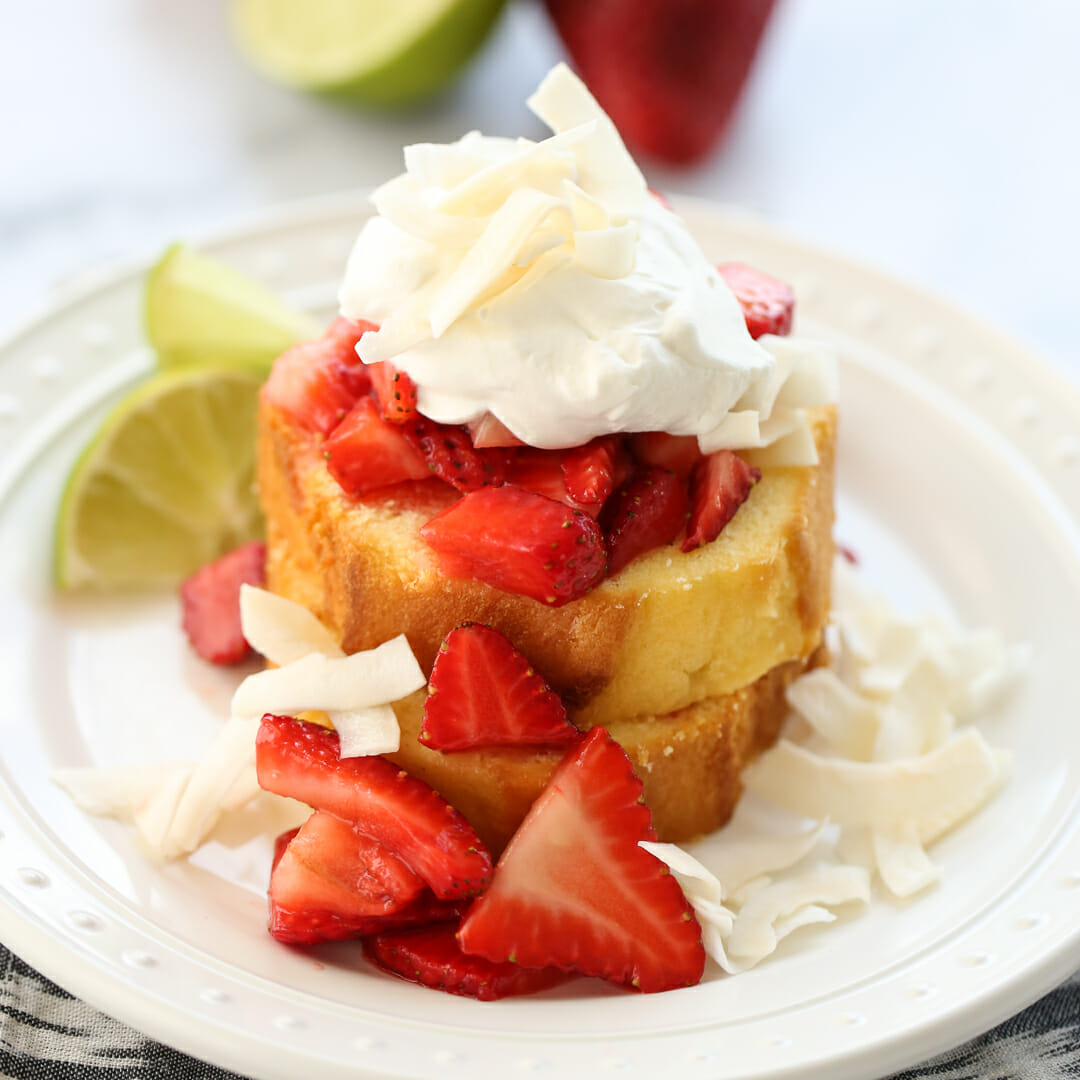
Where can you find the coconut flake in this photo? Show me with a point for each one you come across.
(902, 862)
(848, 723)
(365, 732)
(282, 630)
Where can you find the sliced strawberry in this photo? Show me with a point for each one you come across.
(394, 391)
(719, 485)
(542, 471)
(365, 452)
(317, 382)
(679, 453)
(768, 304)
(520, 542)
(302, 761)
(483, 692)
(488, 431)
(452, 457)
(280, 844)
(573, 890)
(646, 513)
(332, 880)
(432, 957)
(211, 603)
(593, 471)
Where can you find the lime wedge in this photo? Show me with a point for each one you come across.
(166, 485)
(383, 52)
(201, 312)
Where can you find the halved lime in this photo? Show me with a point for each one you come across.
(166, 485)
(200, 312)
(384, 52)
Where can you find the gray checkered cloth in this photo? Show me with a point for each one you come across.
(46, 1034)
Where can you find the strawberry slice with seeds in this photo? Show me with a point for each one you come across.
(679, 453)
(211, 603)
(483, 692)
(573, 889)
(768, 304)
(333, 882)
(593, 471)
(719, 485)
(451, 456)
(542, 471)
(394, 391)
(520, 542)
(646, 513)
(432, 957)
(365, 452)
(302, 761)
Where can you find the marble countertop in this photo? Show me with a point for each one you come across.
(936, 141)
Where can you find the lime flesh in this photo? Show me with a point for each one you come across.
(202, 312)
(382, 52)
(166, 485)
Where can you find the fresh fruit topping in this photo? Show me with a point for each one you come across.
(365, 452)
(520, 542)
(314, 384)
(542, 471)
(452, 457)
(483, 692)
(768, 305)
(281, 842)
(211, 603)
(432, 957)
(574, 890)
(646, 513)
(166, 484)
(202, 312)
(394, 391)
(332, 880)
(593, 471)
(487, 432)
(679, 453)
(719, 485)
(301, 761)
(344, 334)
(668, 72)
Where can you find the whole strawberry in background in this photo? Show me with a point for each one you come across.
(669, 73)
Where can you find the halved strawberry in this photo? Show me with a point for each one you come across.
(317, 382)
(211, 603)
(332, 880)
(768, 304)
(483, 692)
(719, 485)
(573, 890)
(488, 431)
(542, 471)
(646, 513)
(593, 471)
(452, 457)
(520, 542)
(364, 452)
(679, 453)
(302, 761)
(394, 391)
(432, 957)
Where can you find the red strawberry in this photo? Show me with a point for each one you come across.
(281, 843)
(451, 456)
(431, 956)
(302, 761)
(593, 471)
(365, 452)
(520, 542)
(332, 880)
(394, 391)
(768, 304)
(648, 512)
(483, 692)
(668, 72)
(719, 485)
(317, 382)
(487, 431)
(211, 602)
(679, 453)
(542, 471)
(573, 890)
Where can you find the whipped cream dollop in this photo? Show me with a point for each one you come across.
(542, 283)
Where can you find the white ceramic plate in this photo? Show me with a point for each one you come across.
(959, 487)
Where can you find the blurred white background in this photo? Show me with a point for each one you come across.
(937, 139)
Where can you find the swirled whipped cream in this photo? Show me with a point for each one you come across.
(542, 283)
